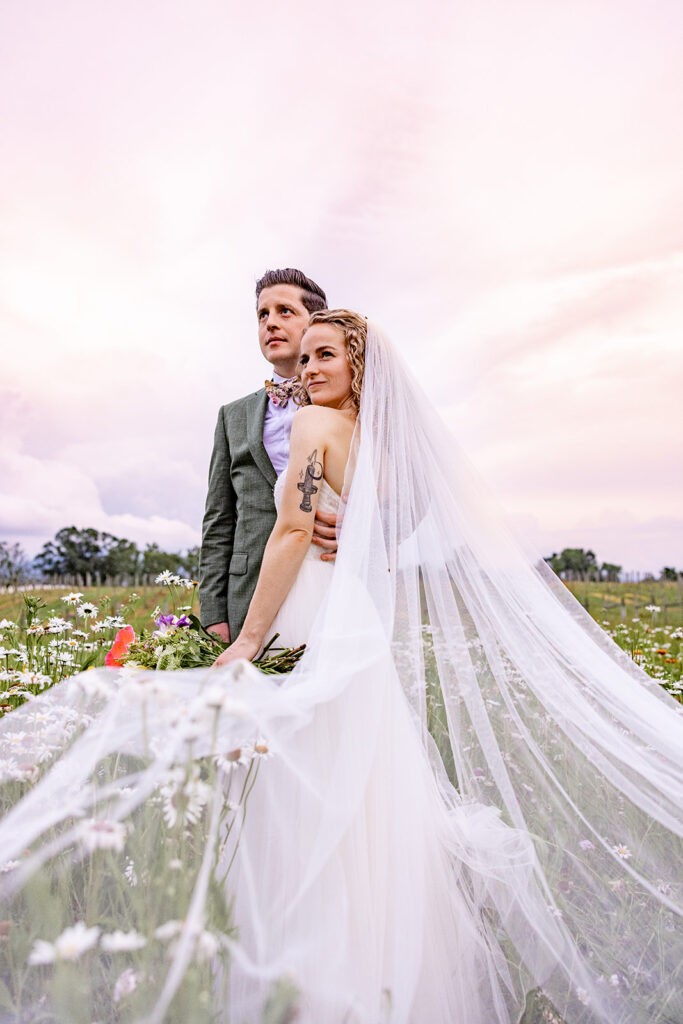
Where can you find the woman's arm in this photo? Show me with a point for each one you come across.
(291, 536)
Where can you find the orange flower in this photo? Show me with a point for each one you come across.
(637, 652)
(672, 661)
(661, 650)
(122, 641)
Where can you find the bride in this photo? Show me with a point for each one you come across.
(403, 894)
(464, 792)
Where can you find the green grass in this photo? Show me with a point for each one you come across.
(138, 616)
(619, 602)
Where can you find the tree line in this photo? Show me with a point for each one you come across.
(580, 564)
(90, 557)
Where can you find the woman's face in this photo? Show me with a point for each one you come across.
(324, 368)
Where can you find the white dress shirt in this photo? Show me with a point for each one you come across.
(276, 430)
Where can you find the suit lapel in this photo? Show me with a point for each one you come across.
(256, 416)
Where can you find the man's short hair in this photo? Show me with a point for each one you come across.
(312, 295)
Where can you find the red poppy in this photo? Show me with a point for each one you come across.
(124, 638)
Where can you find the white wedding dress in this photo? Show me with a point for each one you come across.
(393, 928)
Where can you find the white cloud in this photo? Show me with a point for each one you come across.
(43, 495)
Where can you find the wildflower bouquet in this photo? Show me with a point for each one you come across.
(184, 643)
(180, 642)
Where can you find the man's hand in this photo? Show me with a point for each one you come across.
(221, 629)
(325, 534)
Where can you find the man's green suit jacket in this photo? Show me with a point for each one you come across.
(240, 513)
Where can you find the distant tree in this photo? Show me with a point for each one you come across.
(48, 561)
(611, 572)
(119, 558)
(15, 567)
(191, 563)
(574, 564)
(669, 573)
(73, 552)
(80, 551)
(579, 564)
(89, 556)
(555, 562)
(154, 561)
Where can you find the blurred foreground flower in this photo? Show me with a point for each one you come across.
(97, 834)
(70, 945)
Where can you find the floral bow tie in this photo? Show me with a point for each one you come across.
(281, 392)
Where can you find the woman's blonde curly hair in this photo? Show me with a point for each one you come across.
(355, 330)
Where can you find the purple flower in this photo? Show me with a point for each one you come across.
(586, 844)
(168, 624)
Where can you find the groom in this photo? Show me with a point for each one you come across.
(251, 447)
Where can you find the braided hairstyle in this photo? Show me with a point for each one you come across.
(355, 330)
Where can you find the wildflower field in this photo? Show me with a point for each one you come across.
(50, 634)
(616, 603)
(645, 620)
(135, 605)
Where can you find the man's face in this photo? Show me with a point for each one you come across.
(282, 320)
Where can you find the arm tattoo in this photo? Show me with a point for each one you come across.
(313, 471)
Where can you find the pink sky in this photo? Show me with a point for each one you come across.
(498, 184)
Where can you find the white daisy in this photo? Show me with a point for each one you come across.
(57, 625)
(184, 801)
(70, 945)
(168, 930)
(97, 834)
(122, 942)
(622, 851)
(87, 610)
(130, 874)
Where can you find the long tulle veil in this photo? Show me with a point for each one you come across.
(555, 760)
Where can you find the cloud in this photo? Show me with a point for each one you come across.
(461, 178)
(43, 495)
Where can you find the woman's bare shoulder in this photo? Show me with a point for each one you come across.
(320, 416)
